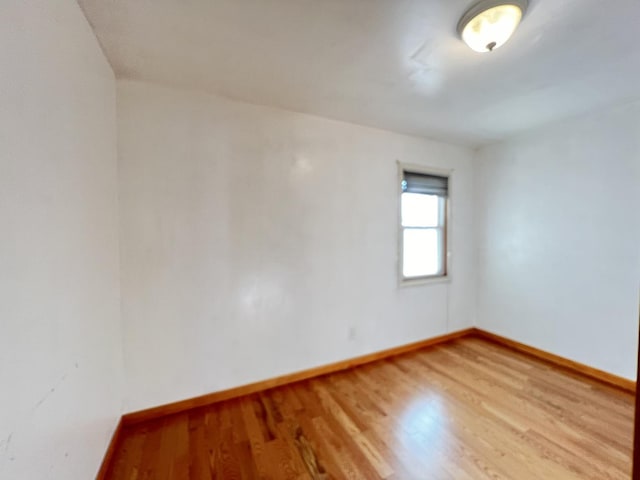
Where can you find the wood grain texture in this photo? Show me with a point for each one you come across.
(470, 409)
(620, 382)
(111, 449)
(211, 398)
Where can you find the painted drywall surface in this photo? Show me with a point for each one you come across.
(60, 335)
(257, 242)
(558, 227)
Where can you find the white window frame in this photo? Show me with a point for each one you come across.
(442, 278)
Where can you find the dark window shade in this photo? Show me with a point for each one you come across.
(425, 184)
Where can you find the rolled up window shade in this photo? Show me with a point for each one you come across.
(425, 184)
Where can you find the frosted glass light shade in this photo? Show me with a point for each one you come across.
(489, 24)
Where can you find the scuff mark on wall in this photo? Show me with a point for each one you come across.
(4, 447)
(4, 444)
(49, 393)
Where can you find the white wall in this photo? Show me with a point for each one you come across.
(255, 239)
(60, 336)
(558, 222)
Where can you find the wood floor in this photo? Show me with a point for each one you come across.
(467, 410)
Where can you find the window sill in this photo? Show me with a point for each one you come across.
(424, 281)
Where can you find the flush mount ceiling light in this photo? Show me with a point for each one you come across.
(488, 24)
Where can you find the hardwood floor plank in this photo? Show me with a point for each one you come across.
(126, 464)
(198, 448)
(467, 410)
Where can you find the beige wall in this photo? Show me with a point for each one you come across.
(258, 242)
(558, 219)
(60, 336)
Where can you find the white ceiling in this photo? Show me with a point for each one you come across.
(393, 64)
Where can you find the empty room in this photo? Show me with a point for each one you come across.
(319, 239)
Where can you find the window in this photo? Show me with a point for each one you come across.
(423, 225)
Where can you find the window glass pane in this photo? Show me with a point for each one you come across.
(420, 252)
(420, 210)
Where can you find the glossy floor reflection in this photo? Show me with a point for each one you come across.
(469, 409)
